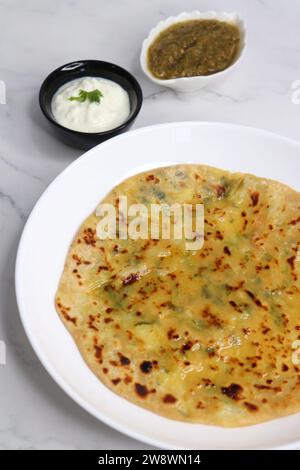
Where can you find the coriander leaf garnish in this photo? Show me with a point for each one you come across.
(93, 96)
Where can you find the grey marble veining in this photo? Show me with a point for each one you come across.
(36, 37)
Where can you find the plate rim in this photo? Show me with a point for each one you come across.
(60, 381)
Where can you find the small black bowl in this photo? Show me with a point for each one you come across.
(90, 68)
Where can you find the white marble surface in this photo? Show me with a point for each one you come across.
(37, 36)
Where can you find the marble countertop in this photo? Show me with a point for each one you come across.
(36, 37)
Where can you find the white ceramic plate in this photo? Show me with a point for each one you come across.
(52, 225)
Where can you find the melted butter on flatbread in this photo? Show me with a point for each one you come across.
(202, 336)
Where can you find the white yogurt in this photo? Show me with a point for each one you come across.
(112, 110)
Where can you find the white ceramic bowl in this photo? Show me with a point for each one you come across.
(189, 84)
